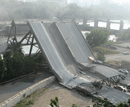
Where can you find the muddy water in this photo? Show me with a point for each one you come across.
(26, 49)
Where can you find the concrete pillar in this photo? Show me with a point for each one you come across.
(121, 26)
(95, 23)
(73, 20)
(84, 21)
(108, 24)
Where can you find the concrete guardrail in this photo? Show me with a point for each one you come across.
(19, 96)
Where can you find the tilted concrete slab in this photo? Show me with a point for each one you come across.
(80, 49)
(106, 71)
(75, 41)
(49, 49)
(61, 60)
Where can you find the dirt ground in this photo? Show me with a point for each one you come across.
(119, 57)
(66, 97)
(124, 44)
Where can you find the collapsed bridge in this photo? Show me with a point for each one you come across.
(67, 53)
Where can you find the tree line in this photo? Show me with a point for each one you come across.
(96, 38)
(15, 64)
(16, 10)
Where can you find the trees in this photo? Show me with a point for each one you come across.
(101, 56)
(43, 9)
(14, 61)
(2, 68)
(74, 105)
(55, 102)
(73, 10)
(8, 64)
(15, 64)
(97, 103)
(98, 37)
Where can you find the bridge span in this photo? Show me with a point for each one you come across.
(67, 53)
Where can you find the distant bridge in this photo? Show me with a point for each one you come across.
(96, 21)
(83, 27)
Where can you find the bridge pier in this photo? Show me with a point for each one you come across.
(108, 24)
(27, 40)
(95, 23)
(84, 22)
(121, 26)
(73, 20)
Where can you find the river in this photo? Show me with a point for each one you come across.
(3, 40)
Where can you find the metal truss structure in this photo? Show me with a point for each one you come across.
(113, 80)
(27, 40)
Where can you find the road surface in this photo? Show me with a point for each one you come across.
(12, 88)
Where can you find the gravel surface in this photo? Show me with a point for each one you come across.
(66, 97)
(124, 44)
(119, 57)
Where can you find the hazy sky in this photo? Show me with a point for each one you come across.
(121, 1)
(116, 1)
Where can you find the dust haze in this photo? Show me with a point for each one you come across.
(18, 10)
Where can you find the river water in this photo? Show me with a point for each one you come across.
(3, 40)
